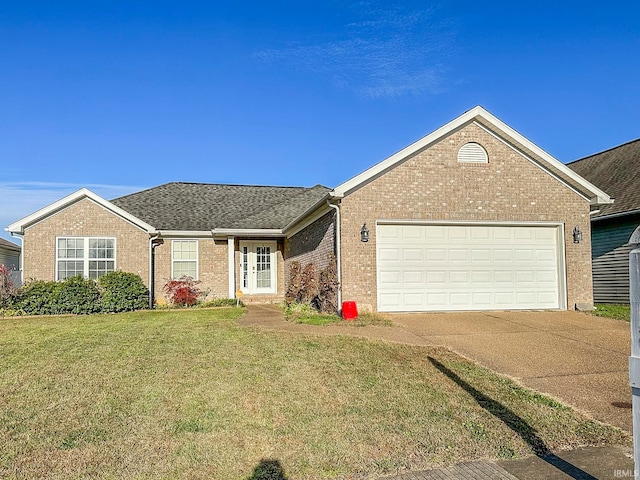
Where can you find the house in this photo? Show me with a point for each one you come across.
(617, 171)
(10, 258)
(472, 216)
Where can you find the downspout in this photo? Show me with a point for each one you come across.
(338, 256)
(152, 268)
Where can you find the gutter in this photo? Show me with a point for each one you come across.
(338, 255)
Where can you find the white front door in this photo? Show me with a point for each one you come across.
(258, 267)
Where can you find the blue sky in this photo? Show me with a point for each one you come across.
(118, 96)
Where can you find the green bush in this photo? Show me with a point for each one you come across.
(113, 292)
(122, 292)
(77, 295)
(37, 298)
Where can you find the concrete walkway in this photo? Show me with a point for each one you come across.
(578, 358)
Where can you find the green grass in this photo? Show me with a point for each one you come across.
(191, 394)
(619, 312)
(306, 314)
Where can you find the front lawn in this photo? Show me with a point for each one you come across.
(190, 394)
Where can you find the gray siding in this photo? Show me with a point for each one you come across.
(11, 260)
(611, 260)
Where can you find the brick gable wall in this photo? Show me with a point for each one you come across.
(432, 185)
(84, 218)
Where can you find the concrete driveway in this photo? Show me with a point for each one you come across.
(578, 358)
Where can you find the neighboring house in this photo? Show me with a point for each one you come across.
(471, 217)
(10, 258)
(617, 171)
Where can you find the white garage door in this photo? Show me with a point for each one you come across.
(468, 267)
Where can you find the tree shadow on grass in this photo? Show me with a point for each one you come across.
(268, 469)
(517, 424)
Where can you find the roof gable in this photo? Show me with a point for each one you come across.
(500, 130)
(19, 226)
(616, 171)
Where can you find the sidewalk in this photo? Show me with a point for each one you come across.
(578, 358)
(588, 463)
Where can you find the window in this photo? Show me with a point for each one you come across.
(184, 258)
(89, 257)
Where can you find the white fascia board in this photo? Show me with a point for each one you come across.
(595, 195)
(184, 233)
(247, 232)
(20, 225)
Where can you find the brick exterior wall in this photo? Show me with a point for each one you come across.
(213, 270)
(433, 185)
(84, 218)
(313, 244)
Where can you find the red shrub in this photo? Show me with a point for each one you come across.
(183, 291)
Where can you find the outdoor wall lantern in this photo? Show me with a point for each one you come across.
(364, 233)
(577, 234)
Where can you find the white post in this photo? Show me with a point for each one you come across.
(634, 359)
(231, 260)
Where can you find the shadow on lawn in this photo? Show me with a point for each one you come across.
(517, 424)
(268, 469)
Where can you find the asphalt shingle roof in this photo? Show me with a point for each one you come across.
(617, 172)
(204, 206)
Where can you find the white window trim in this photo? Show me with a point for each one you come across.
(197, 260)
(86, 258)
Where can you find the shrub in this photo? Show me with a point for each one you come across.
(295, 283)
(114, 292)
(7, 287)
(328, 287)
(122, 292)
(309, 284)
(77, 295)
(183, 291)
(37, 297)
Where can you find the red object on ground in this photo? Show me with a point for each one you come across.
(349, 310)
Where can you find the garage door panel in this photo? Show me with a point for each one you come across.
(413, 255)
(458, 255)
(393, 254)
(410, 277)
(460, 298)
(480, 255)
(479, 278)
(436, 279)
(459, 277)
(468, 267)
(436, 255)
